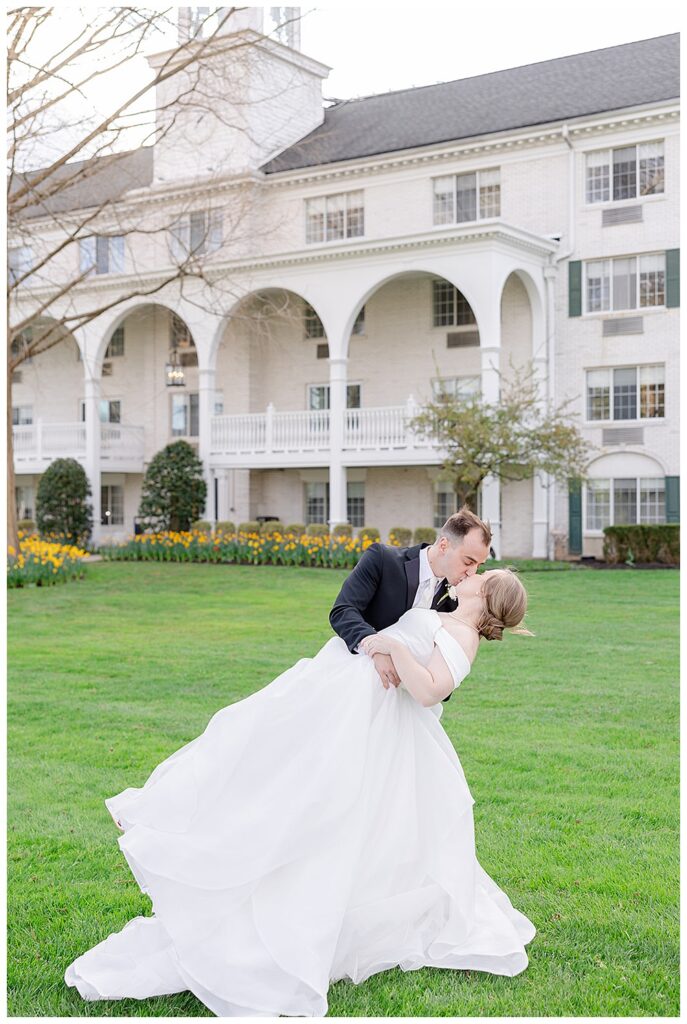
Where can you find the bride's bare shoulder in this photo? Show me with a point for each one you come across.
(465, 636)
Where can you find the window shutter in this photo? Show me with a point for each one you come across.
(575, 518)
(672, 277)
(672, 499)
(575, 288)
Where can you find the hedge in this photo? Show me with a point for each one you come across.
(658, 543)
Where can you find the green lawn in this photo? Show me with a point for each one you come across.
(569, 743)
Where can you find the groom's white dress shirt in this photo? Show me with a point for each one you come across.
(428, 584)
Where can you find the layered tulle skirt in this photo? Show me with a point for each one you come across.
(320, 829)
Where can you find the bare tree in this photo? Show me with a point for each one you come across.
(509, 440)
(70, 174)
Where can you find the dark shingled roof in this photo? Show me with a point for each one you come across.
(96, 182)
(646, 71)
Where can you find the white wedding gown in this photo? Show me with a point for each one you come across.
(319, 829)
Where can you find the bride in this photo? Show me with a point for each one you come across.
(320, 829)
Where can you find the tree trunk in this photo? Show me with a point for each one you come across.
(466, 496)
(12, 537)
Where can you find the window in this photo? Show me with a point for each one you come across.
(355, 503)
(318, 396)
(20, 343)
(109, 410)
(316, 503)
(103, 254)
(459, 198)
(19, 262)
(312, 325)
(111, 505)
(625, 173)
(22, 415)
(445, 501)
(626, 393)
(218, 404)
(328, 218)
(116, 344)
(185, 415)
(446, 388)
(359, 323)
(450, 307)
(195, 234)
(615, 284)
(624, 501)
(23, 498)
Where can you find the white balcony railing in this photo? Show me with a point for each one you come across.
(271, 433)
(40, 443)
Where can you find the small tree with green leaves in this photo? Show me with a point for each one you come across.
(62, 508)
(511, 439)
(174, 491)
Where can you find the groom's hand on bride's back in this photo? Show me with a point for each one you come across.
(385, 668)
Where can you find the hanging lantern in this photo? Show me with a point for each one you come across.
(174, 372)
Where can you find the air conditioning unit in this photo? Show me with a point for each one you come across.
(107, 369)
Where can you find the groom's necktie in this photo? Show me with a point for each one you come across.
(426, 589)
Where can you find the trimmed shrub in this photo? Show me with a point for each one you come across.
(424, 535)
(297, 529)
(225, 527)
(26, 525)
(271, 527)
(317, 530)
(62, 509)
(202, 525)
(250, 526)
(655, 542)
(400, 536)
(370, 533)
(174, 491)
(342, 530)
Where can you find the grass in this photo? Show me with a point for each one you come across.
(569, 743)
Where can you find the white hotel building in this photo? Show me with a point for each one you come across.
(359, 256)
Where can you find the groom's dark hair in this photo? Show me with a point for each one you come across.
(461, 522)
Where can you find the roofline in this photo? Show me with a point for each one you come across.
(428, 151)
(499, 71)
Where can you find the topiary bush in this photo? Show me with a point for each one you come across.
(271, 527)
(62, 508)
(342, 530)
(297, 529)
(655, 542)
(400, 536)
(226, 526)
(317, 530)
(250, 526)
(174, 491)
(369, 532)
(424, 535)
(203, 526)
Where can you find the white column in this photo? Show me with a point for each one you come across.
(550, 282)
(222, 477)
(206, 405)
(540, 516)
(338, 374)
(92, 415)
(490, 342)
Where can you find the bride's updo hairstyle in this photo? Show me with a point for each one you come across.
(505, 605)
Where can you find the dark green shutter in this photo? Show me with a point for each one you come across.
(575, 518)
(672, 277)
(672, 499)
(575, 288)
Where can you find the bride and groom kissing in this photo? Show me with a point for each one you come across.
(321, 828)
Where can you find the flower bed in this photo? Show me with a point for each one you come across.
(43, 562)
(241, 549)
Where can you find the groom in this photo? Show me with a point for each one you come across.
(387, 581)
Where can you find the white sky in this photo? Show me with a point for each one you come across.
(374, 47)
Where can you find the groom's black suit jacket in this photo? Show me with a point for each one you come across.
(378, 591)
